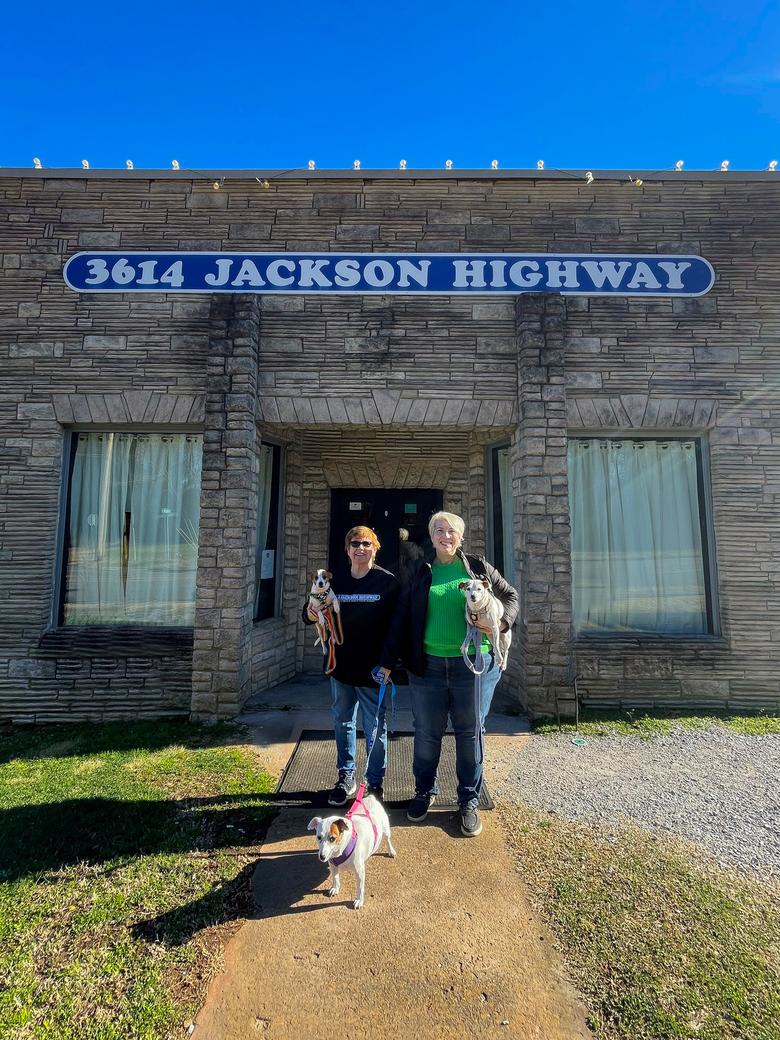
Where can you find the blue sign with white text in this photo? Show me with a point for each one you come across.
(587, 274)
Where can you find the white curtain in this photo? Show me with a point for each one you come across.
(504, 457)
(94, 583)
(163, 551)
(264, 478)
(135, 507)
(637, 554)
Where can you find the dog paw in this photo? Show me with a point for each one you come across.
(357, 904)
(333, 891)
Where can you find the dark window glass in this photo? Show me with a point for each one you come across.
(268, 562)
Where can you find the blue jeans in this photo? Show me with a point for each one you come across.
(345, 707)
(447, 688)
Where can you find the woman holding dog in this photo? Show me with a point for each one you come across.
(432, 616)
(368, 597)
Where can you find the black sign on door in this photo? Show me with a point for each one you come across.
(399, 518)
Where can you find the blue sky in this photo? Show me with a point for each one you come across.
(581, 85)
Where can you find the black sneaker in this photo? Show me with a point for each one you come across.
(418, 808)
(377, 790)
(345, 788)
(470, 823)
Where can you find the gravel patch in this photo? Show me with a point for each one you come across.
(712, 786)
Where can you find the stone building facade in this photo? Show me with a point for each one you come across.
(392, 393)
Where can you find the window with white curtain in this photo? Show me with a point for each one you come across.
(502, 542)
(131, 533)
(638, 537)
(268, 562)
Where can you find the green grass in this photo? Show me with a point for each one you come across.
(125, 856)
(655, 723)
(662, 944)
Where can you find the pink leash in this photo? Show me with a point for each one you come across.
(358, 803)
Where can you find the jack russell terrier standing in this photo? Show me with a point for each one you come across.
(348, 841)
(484, 612)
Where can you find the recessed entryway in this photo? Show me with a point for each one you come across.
(388, 513)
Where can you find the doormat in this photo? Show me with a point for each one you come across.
(311, 772)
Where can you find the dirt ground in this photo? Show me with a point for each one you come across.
(445, 946)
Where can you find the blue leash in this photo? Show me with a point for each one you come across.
(375, 675)
(478, 667)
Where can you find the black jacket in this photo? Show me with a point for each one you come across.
(407, 631)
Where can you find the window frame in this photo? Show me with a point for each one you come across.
(707, 534)
(493, 490)
(70, 442)
(274, 442)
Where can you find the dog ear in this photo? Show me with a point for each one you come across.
(486, 583)
(341, 824)
(314, 823)
(328, 576)
(463, 585)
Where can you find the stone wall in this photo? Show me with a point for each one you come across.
(387, 364)
(540, 486)
(224, 596)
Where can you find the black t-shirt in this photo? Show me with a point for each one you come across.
(367, 604)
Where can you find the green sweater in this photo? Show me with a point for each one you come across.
(445, 623)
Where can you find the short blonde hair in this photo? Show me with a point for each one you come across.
(364, 534)
(457, 523)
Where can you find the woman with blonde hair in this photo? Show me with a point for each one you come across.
(430, 627)
(368, 596)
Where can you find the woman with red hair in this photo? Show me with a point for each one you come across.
(368, 595)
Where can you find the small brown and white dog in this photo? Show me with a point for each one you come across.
(484, 612)
(348, 842)
(321, 595)
(321, 598)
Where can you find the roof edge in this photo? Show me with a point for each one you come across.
(649, 176)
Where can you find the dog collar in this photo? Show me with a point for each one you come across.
(344, 856)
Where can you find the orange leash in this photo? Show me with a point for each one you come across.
(334, 637)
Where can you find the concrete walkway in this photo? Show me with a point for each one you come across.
(445, 946)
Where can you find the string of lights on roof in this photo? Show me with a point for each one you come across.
(589, 177)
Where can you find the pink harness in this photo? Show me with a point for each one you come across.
(358, 803)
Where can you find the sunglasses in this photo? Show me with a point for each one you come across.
(360, 545)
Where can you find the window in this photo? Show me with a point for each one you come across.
(502, 547)
(268, 563)
(131, 532)
(639, 546)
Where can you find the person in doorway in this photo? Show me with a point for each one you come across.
(368, 596)
(409, 555)
(430, 627)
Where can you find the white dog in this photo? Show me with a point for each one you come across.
(484, 612)
(324, 606)
(348, 842)
(321, 596)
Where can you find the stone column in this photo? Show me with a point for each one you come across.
(541, 502)
(224, 599)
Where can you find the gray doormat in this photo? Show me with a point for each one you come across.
(311, 771)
